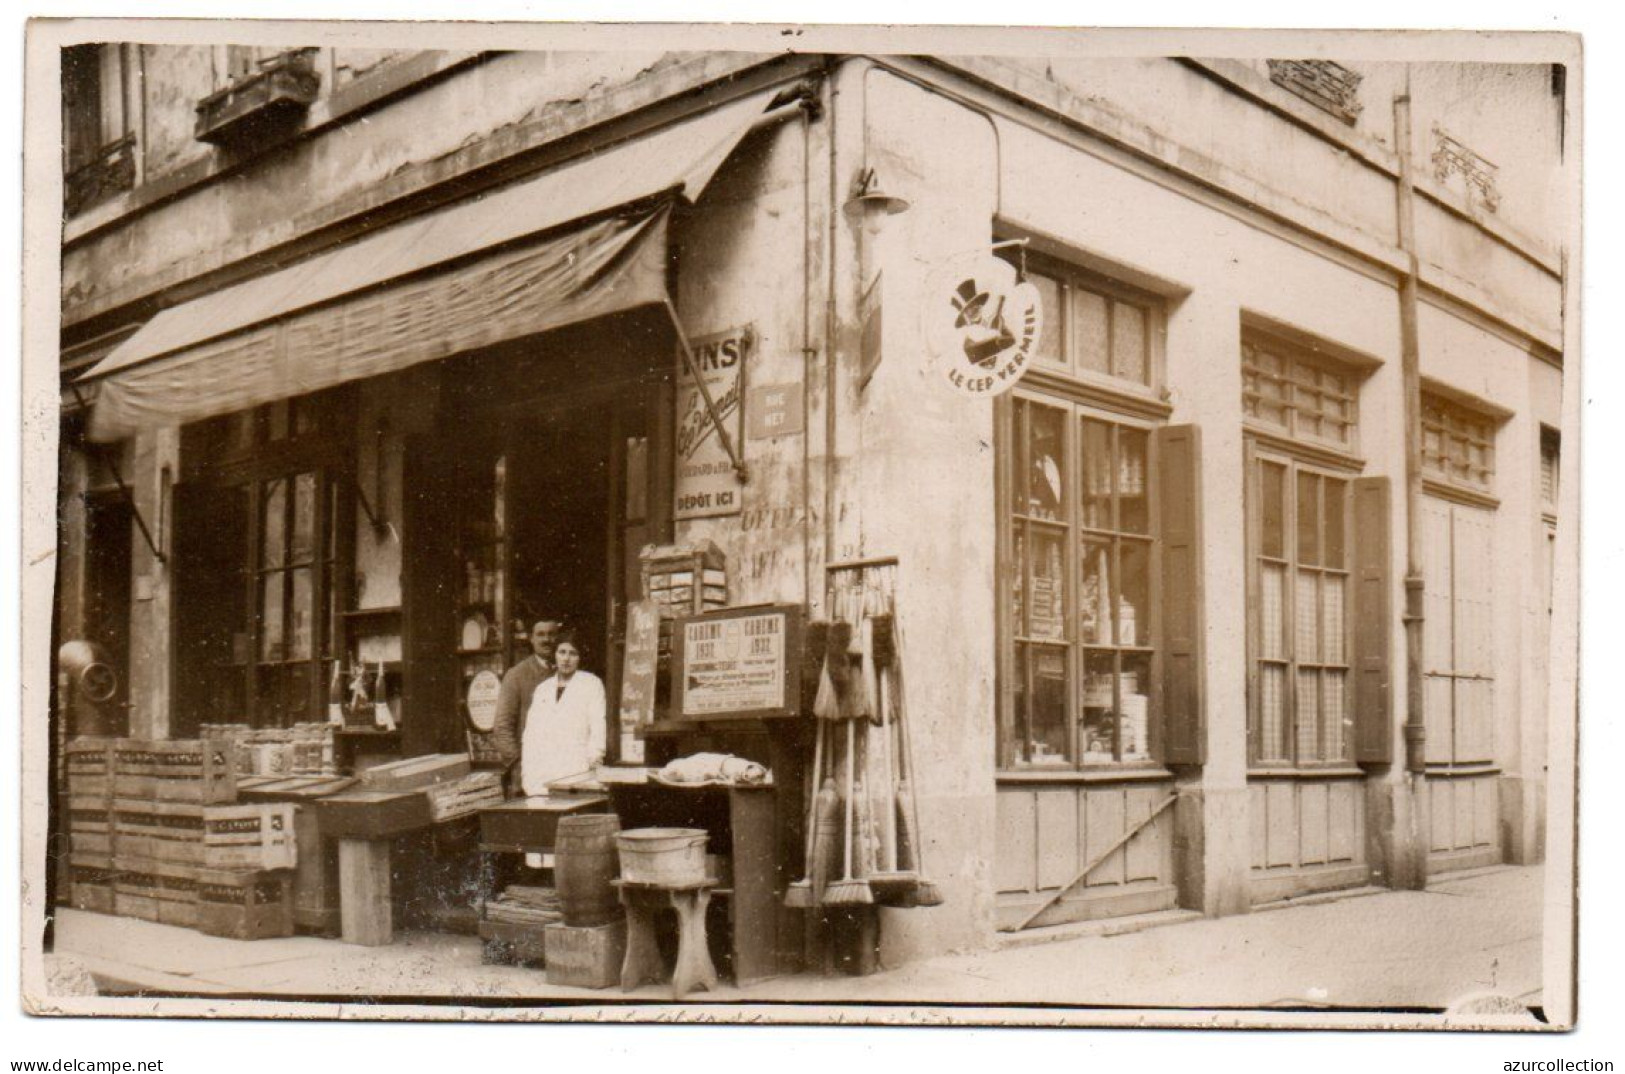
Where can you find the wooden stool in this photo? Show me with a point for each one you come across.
(643, 964)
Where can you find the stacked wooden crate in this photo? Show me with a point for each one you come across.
(155, 823)
(682, 580)
(89, 767)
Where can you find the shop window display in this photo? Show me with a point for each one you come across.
(1083, 574)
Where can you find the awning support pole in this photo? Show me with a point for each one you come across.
(693, 364)
(107, 459)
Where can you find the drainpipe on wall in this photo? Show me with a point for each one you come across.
(1411, 868)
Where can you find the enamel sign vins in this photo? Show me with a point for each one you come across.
(982, 326)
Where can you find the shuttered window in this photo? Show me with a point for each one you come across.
(1301, 609)
(1458, 633)
(1550, 456)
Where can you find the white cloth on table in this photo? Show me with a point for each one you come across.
(564, 735)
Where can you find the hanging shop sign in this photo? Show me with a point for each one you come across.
(982, 325)
(707, 483)
(742, 664)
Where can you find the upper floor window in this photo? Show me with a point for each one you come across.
(1550, 455)
(98, 146)
(1458, 444)
(1094, 328)
(1303, 395)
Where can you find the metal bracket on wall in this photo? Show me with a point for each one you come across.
(107, 459)
(693, 365)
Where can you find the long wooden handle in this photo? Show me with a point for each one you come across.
(851, 766)
(812, 797)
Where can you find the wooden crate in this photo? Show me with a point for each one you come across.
(360, 814)
(90, 883)
(461, 797)
(135, 894)
(585, 956)
(176, 891)
(416, 773)
(182, 770)
(90, 824)
(255, 836)
(88, 764)
(244, 904)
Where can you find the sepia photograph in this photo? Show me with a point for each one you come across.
(982, 526)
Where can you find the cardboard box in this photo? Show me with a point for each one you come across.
(255, 836)
(585, 956)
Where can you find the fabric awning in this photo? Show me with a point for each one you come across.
(503, 265)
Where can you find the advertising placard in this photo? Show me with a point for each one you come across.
(738, 664)
(706, 484)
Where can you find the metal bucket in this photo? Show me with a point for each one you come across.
(664, 856)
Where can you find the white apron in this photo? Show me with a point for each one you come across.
(564, 736)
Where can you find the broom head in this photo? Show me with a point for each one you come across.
(849, 892)
(799, 896)
(927, 894)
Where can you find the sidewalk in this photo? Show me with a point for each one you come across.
(1468, 935)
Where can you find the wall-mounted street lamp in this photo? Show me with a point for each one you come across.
(869, 205)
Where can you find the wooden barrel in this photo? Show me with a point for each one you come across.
(584, 863)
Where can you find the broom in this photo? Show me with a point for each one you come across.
(926, 893)
(800, 895)
(849, 890)
(892, 885)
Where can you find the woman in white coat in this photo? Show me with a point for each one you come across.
(565, 727)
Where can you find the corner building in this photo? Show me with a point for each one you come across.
(414, 343)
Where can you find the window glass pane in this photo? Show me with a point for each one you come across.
(1134, 599)
(1133, 503)
(1308, 716)
(1128, 342)
(1334, 546)
(1099, 730)
(1046, 475)
(1023, 712)
(1272, 614)
(1272, 712)
(272, 641)
(297, 700)
(304, 518)
(1050, 301)
(1018, 580)
(1333, 624)
(1095, 615)
(273, 523)
(1097, 474)
(301, 620)
(1134, 707)
(1048, 745)
(1272, 511)
(271, 697)
(1047, 617)
(1308, 618)
(1308, 518)
(1089, 330)
(1335, 719)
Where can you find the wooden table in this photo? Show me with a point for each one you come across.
(365, 824)
(521, 826)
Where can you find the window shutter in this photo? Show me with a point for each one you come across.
(1183, 740)
(1373, 714)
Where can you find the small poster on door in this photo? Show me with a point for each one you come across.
(707, 484)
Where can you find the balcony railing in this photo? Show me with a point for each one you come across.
(111, 171)
(267, 103)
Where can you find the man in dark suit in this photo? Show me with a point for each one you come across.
(513, 700)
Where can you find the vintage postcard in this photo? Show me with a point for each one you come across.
(801, 524)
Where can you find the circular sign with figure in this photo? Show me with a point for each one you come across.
(482, 701)
(981, 325)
